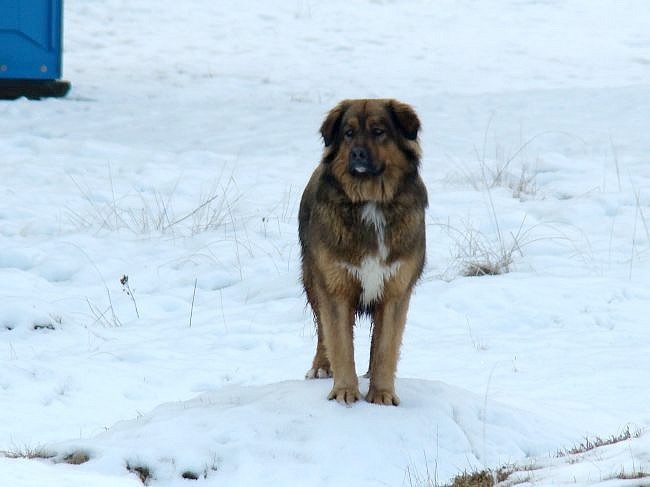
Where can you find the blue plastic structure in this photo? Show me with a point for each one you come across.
(30, 48)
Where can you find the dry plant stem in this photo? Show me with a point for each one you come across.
(127, 289)
(192, 307)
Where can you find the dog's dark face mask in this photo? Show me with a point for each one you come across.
(367, 133)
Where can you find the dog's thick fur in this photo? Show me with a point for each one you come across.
(362, 236)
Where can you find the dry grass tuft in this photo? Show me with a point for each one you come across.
(488, 267)
(479, 478)
(142, 471)
(52, 324)
(590, 444)
(478, 254)
(76, 458)
(632, 475)
(152, 211)
(483, 478)
(38, 452)
(189, 475)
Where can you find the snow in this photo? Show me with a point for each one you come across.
(178, 159)
(273, 425)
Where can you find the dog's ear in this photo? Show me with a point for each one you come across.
(405, 119)
(332, 122)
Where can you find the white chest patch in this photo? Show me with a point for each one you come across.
(373, 271)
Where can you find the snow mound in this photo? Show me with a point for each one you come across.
(286, 432)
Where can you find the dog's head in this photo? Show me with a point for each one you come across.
(370, 146)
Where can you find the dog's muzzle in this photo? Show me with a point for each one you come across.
(360, 163)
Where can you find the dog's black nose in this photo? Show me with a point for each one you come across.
(359, 154)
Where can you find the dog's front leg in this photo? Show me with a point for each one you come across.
(389, 320)
(337, 317)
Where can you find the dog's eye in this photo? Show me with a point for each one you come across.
(377, 132)
(349, 133)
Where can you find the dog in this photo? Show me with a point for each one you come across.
(362, 237)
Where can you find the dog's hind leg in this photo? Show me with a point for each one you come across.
(320, 367)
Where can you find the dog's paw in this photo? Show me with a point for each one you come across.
(383, 397)
(320, 373)
(345, 395)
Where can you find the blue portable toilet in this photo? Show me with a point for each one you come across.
(30, 48)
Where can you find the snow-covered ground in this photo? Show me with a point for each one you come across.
(178, 160)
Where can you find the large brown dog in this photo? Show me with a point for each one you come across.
(362, 235)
